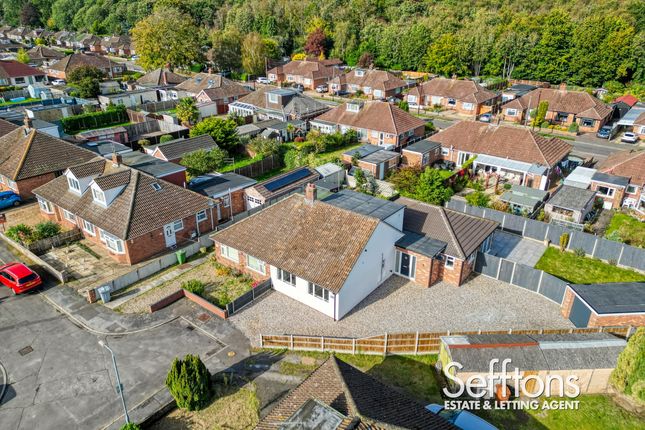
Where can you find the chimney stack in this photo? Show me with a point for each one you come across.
(311, 193)
(117, 159)
(28, 124)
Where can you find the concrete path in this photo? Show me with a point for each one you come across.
(153, 283)
(517, 249)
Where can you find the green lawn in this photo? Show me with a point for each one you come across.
(583, 270)
(240, 161)
(10, 103)
(333, 156)
(630, 230)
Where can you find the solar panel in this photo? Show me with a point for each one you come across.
(287, 180)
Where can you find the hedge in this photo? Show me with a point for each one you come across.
(76, 123)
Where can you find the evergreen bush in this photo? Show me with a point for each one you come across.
(189, 382)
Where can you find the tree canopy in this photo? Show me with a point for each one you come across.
(223, 131)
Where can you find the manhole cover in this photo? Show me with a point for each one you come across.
(204, 317)
(26, 350)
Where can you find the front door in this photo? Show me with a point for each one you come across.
(169, 235)
(381, 138)
(405, 265)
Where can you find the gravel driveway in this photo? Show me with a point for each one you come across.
(401, 306)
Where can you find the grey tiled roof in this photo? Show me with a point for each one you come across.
(619, 297)
(213, 185)
(572, 198)
(179, 147)
(363, 204)
(423, 146)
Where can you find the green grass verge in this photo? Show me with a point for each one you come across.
(584, 270)
(9, 103)
(629, 229)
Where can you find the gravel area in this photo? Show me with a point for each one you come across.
(401, 306)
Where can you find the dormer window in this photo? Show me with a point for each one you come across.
(353, 107)
(98, 195)
(74, 185)
(273, 98)
(360, 73)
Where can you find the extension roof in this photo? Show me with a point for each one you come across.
(301, 178)
(504, 141)
(179, 148)
(308, 239)
(579, 103)
(572, 198)
(613, 298)
(629, 164)
(16, 69)
(374, 115)
(138, 209)
(25, 154)
(462, 233)
(219, 184)
(375, 79)
(362, 400)
(462, 90)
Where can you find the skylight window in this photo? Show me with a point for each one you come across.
(155, 186)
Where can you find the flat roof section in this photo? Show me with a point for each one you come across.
(613, 298)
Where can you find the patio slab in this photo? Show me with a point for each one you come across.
(517, 248)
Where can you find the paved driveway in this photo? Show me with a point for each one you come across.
(59, 377)
(401, 306)
(517, 249)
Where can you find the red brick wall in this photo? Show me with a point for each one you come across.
(616, 200)
(455, 276)
(600, 320)
(178, 178)
(26, 186)
(237, 202)
(241, 265)
(567, 303)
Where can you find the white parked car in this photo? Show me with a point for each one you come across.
(59, 82)
(263, 80)
(629, 137)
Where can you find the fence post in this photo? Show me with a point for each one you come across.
(593, 251)
(416, 344)
(385, 345)
(233, 305)
(322, 343)
(291, 342)
(261, 341)
(540, 282)
(354, 346)
(622, 248)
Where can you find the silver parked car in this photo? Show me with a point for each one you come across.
(629, 137)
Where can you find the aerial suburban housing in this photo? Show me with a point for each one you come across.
(277, 103)
(375, 84)
(375, 122)
(564, 107)
(62, 68)
(159, 78)
(14, 73)
(309, 73)
(210, 88)
(463, 96)
(520, 155)
(175, 150)
(133, 215)
(226, 189)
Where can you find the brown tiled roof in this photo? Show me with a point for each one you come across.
(43, 52)
(88, 169)
(266, 193)
(25, 155)
(462, 90)
(6, 127)
(640, 120)
(15, 69)
(375, 79)
(137, 210)
(580, 103)
(364, 400)
(306, 68)
(299, 104)
(180, 147)
(161, 77)
(73, 61)
(462, 232)
(307, 239)
(218, 86)
(374, 115)
(502, 141)
(630, 164)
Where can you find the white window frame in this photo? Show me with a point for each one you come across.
(228, 252)
(449, 262)
(45, 206)
(445, 151)
(261, 266)
(273, 98)
(99, 196)
(631, 189)
(511, 112)
(113, 243)
(89, 227)
(324, 293)
(201, 216)
(468, 106)
(412, 99)
(102, 234)
(226, 201)
(287, 277)
(178, 225)
(69, 216)
(74, 184)
(610, 191)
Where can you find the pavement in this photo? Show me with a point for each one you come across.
(517, 248)
(60, 377)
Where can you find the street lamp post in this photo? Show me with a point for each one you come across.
(119, 386)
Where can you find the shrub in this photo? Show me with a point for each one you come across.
(166, 138)
(130, 426)
(615, 236)
(222, 270)
(264, 147)
(507, 186)
(143, 142)
(564, 241)
(113, 115)
(579, 252)
(46, 229)
(189, 382)
(629, 375)
(573, 128)
(612, 262)
(541, 215)
(194, 286)
(478, 198)
(20, 233)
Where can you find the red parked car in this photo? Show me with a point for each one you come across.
(19, 277)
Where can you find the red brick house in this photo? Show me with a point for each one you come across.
(518, 155)
(61, 69)
(373, 159)
(628, 165)
(226, 189)
(421, 154)
(211, 88)
(440, 244)
(30, 158)
(133, 215)
(463, 96)
(376, 122)
(309, 73)
(375, 84)
(565, 107)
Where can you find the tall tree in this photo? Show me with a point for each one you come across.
(445, 57)
(316, 43)
(187, 111)
(254, 54)
(223, 131)
(22, 56)
(167, 37)
(431, 187)
(226, 51)
(550, 59)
